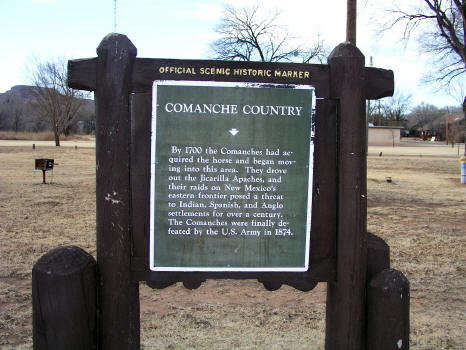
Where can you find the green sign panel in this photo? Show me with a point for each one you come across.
(231, 177)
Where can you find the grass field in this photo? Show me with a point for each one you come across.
(421, 214)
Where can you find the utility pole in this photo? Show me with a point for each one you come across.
(351, 21)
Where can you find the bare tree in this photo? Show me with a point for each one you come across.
(422, 119)
(3, 125)
(439, 27)
(390, 111)
(453, 128)
(395, 108)
(17, 118)
(249, 34)
(52, 97)
(14, 113)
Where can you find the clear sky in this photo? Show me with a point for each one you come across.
(47, 29)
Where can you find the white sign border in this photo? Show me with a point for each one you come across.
(152, 180)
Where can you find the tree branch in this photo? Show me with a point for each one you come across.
(247, 34)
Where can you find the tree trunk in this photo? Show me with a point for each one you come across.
(56, 134)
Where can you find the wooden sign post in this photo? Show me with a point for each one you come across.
(119, 293)
(345, 323)
(336, 250)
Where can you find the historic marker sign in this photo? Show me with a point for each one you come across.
(231, 176)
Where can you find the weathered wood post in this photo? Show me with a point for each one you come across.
(378, 255)
(118, 293)
(345, 320)
(388, 311)
(64, 300)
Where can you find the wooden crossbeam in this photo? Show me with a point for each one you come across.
(379, 82)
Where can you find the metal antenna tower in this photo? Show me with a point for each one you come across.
(114, 15)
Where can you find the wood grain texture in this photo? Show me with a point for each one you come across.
(351, 21)
(378, 255)
(378, 83)
(64, 301)
(147, 70)
(388, 311)
(82, 73)
(119, 295)
(141, 111)
(345, 322)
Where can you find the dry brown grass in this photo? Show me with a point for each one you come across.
(22, 135)
(38, 136)
(421, 214)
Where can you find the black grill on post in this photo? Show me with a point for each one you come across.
(44, 164)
